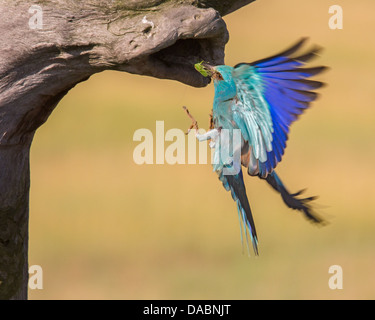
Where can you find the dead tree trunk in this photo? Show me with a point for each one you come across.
(47, 47)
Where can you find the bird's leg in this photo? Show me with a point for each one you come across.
(211, 126)
(194, 123)
(211, 134)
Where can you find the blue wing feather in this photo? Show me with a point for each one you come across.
(279, 86)
(271, 62)
(299, 84)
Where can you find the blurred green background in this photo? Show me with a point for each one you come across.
(103, 227)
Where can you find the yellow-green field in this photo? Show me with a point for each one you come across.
(103, 227)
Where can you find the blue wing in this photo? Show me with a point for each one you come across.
(271, 94)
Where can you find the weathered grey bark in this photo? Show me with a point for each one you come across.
(159, 38)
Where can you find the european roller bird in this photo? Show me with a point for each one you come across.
(259, 101)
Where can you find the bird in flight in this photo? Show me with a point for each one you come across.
(253, 109)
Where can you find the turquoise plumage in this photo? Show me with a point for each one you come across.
(261, 100)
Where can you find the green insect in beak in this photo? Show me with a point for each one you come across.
(204, 69)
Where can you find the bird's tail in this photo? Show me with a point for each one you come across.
(236, 185)
(291, 200)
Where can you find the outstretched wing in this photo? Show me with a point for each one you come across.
(271, 94)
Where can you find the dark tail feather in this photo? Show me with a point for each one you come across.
(238, 190)
(291, 200)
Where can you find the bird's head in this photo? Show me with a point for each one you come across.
(225, 87)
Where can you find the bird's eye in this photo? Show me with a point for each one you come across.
(218, 76)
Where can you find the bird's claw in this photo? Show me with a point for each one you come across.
(194, 123)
